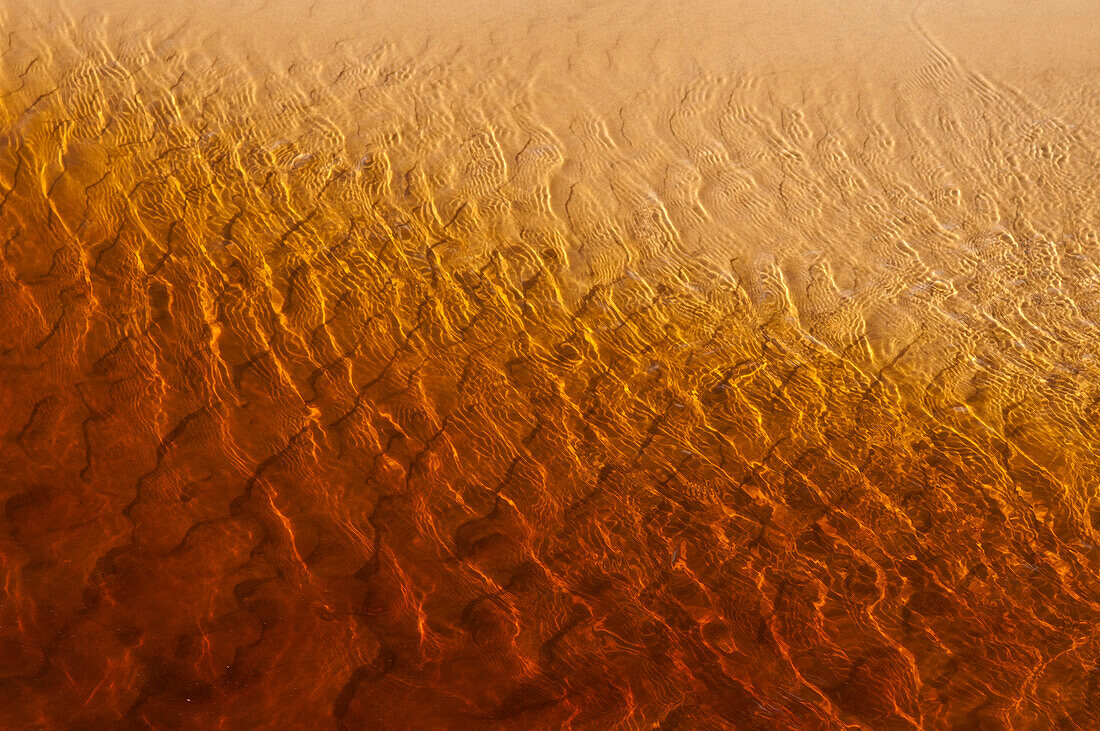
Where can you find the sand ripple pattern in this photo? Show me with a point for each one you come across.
(366, 394)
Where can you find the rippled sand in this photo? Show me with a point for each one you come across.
(588, 366)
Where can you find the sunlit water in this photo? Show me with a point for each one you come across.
(594, 366)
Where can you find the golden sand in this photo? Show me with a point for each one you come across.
(705, 365)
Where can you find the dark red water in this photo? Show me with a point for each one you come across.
(374, 392)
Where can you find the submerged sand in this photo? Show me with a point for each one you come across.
(591, 365)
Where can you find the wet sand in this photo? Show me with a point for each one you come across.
(590, 366)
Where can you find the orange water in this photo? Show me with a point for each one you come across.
(587, 365)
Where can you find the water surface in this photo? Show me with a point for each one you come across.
(587, 365)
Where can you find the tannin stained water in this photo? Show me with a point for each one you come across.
(590, 365)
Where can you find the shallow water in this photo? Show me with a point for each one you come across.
(594, 365)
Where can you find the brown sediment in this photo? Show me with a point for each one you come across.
(423, 389)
